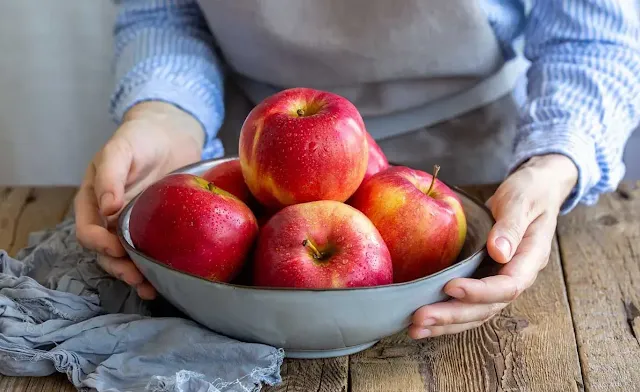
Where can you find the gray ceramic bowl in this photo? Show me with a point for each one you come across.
(308, 323)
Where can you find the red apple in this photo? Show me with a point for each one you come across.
(321, 244)
(193, 226)
(419, 217)
(228, 176)
(377, 159)
(302, 145)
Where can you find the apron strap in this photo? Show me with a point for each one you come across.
(483, 93)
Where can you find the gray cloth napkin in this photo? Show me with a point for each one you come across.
(61, 312)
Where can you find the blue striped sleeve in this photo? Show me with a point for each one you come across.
(583, 89)
(165, 51)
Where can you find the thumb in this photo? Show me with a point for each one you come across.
(112, 171)
(513, 216)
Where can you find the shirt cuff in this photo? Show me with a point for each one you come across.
(189, 97)
(541, 139)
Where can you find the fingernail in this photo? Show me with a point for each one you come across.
(425, 333)
(504, 246)
(456, 292)
(428, 322)
(106, 200)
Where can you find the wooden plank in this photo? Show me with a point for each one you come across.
(530, 346)
(601, 255)
(12, 202)
(55, 383)
(24, 210)
(321, 375)
(45, 208)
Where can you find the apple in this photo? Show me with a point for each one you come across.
(419, 217)
(189, 224)
(301, 145)
(228, 176)
(321, 244)
(377, 161)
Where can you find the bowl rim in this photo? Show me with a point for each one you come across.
(481, 252)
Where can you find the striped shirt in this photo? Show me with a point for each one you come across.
(583, 84)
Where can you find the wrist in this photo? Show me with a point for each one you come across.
(159, 112)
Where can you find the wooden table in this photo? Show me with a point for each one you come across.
(576, 329)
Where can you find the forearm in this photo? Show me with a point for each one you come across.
(164, 52)
(584, 88)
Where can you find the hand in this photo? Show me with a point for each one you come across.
(525, 207)
(154, 139)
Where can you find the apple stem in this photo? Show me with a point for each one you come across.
(316, 253)
(436, 169)
(211, 186)
(300, 112)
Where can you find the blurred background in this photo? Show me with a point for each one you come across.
(55, 82)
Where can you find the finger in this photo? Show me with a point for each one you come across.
(112, 170)
(492, 289)
(418, 332)
(141, 183)
(146, 291)
(533, 253)
(531, 256)
(121, 268)
(127, 272)
(513, 212)
(89, 226)
(131, 191)
(454, 312)
(489, 202)
(112, 222)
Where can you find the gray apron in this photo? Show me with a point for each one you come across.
(428, 76)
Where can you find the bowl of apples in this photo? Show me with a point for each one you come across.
(308, 240)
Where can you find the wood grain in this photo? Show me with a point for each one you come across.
(321, 375)
(601, 255)
(44, 208)
(12, 202)
(22, 211)
(55, 383)
(530, 346)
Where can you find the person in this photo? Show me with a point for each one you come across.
(436, 82)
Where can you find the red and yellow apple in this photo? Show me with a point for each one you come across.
(193, 226)
(228, 176)
(302, 145)
(419, 217)
(377, 159)
(321, 244)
